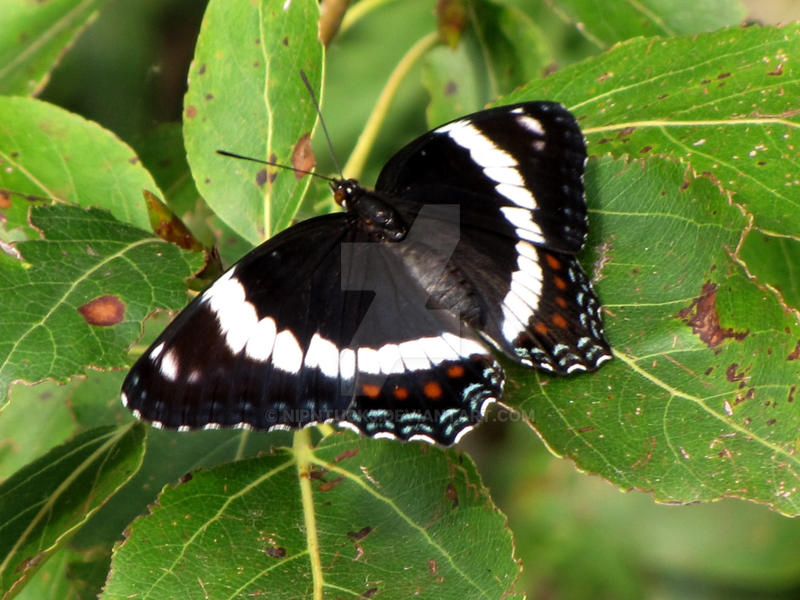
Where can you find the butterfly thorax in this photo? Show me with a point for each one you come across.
(374, 215)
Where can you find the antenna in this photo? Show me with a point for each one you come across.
(295, 169)
(275, 164)
(321, 122)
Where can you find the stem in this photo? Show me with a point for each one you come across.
(358, 158)
(301, 447)
(358, 11)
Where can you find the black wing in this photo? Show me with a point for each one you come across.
(515, 174)
(526, 158)
(316, 325)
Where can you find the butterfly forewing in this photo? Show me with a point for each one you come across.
(525, 160)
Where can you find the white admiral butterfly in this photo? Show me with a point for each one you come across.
(367, 317)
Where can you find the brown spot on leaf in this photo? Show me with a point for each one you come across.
(360, 534)
(790, 398)
(795, 354)
(451, 20)
(303, 156)
(202, 69)
(733, 376)
(450, 88)
(261, 177)
(133, 160)
(451, 494)
(317, 473)
(103, 311)
(275, 552)
(369, 593)
(5, 199)
(209, 96)
(346, 454)
(625, 132)
(327, 486)
(645, 149)
(191, 112)
(285, 41)
(648, 455)
(723, 75)
(701, 315)
(778, 70)
(432, 566)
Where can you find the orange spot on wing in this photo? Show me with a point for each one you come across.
(553, 262)
(540, 328)
(561, 302)
(432, 390)
(401, 393)
(560, 321)
(370, 390)
(560, 283)
(455, 371)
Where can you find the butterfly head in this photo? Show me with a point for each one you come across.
(374, 215)
(344, 190)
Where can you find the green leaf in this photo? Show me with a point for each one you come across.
(451, 79)
(501, 50)
(325, 521)
(248, 98)
(727, 115)
(170, 456)
(514, 48)
(45, 502)
(68, 574)
(79, 298)
(699, 401)
(609, 22)
(34, 36)
(50, 153)
(20, 443)
(163, 154)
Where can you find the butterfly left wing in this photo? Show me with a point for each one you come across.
(300, 331)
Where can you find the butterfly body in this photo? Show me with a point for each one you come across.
(376, 318)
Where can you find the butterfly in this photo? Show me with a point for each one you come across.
(380, 318)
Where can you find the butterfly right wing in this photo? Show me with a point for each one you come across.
(516, 175)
